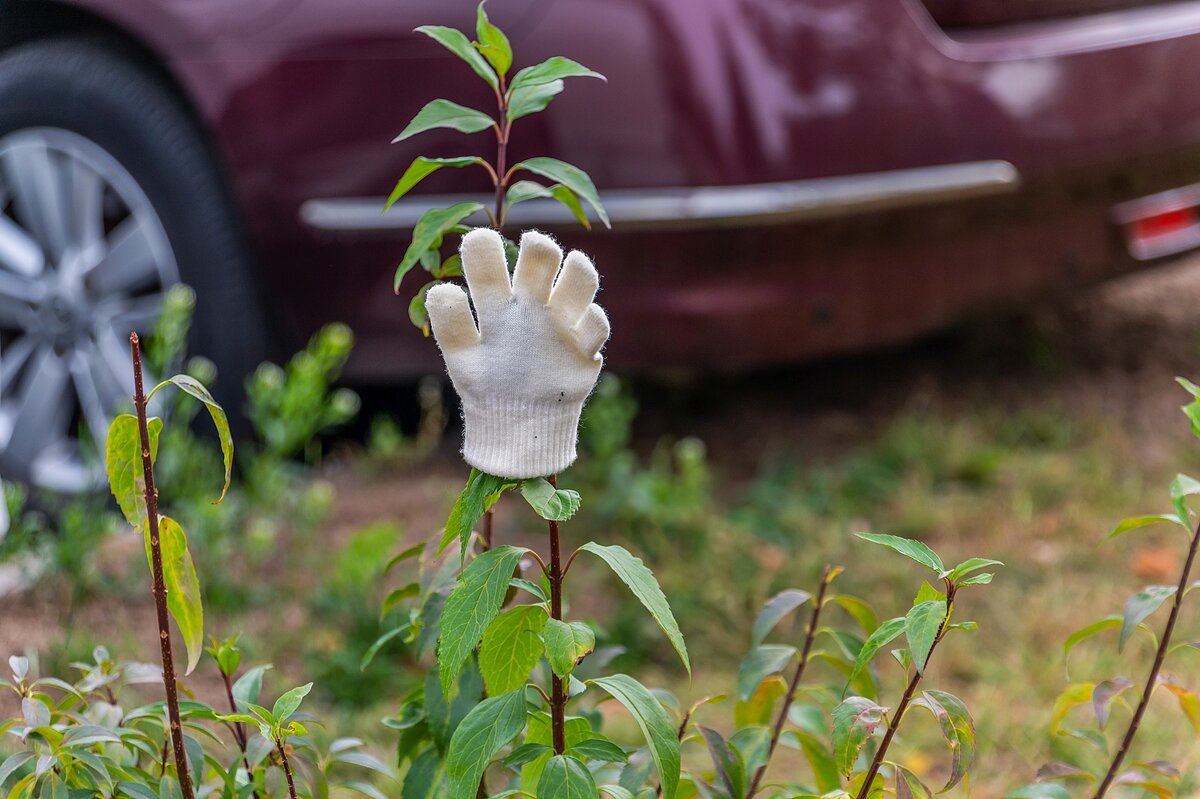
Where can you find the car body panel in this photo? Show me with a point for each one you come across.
(302, 98)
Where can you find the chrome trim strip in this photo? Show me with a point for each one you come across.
(764, 203)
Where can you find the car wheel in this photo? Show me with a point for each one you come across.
(108, 196)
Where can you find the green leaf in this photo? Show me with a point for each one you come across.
(287, 704)
(1183, 487)
(641, 582)
(194, 388)
(397, 596)
(860, 611)
(443, 113)
(570, 176)
(553, 504)
(1140, 606)
(428, 233)
(552, 69)
(909, 785)
(422, 168)
(967, 566)
(425, 777)
(525, 753)
(907, 547)
(1137, 522)
(123, 462)
(249, 685)
(774, 610)
(819, 757)
(566, 644)
(182, 584)
(567, 198)
(1073, 695)
(540, 731)
(530, 588)
(1073, 640)
(511, 647)
(759, 663)
(600, 749)
(532, 99)
(564, 777)
(445, 716)
(478, 495)
(656, 725)
(977, 579)
(493, 44)
(524, 190)
(921, 627)
(471, 607)
(461, 46)
(728, 762)
(854, 721)
(417, 314)
(957, 729)
(486, 729)
(13, 763)
(884, 634)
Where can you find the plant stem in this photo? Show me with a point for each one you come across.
(558, 699)
(809, 636)
(909, 692)
(487, 530)
(1152, 680)
(239, 730)
(502, 132)
(287, 768)
(156, 565)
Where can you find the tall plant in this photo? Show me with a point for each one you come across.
(530, 91)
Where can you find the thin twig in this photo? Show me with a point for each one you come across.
(809, 636)
(558, 700)
(287, 768)
(909, 692)
(502, 132)
(1152, 680)
(239, 731)
(160, 590)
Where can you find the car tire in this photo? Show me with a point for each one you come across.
(88, 90)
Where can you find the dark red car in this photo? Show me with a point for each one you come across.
(786, 178)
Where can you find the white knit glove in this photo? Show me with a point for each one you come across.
(524, 373)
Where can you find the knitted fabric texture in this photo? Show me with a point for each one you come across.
(524, 372)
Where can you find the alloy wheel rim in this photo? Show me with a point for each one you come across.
(84, 259)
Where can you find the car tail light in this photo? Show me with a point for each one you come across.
(1161, 224)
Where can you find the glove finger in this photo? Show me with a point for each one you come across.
(450, 317)
(537, 262)
(591, 331)
(484, 265)
(576, 288)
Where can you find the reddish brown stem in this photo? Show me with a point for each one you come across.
(239, 729)
(160, 589)
(558, 697)
(287, 768)
(502, 132)
(809, 636)
(1152, 680)
(910, 691)
(487, 530)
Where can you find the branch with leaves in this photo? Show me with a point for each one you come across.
(530, 91)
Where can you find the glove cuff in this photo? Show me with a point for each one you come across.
(520, 439)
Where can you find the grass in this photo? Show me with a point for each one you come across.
(1036, 482)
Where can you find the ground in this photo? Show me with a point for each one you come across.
(1025, 437)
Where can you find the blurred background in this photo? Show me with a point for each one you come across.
(921, 266)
